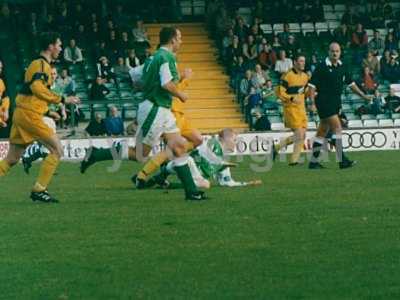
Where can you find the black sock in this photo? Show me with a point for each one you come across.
(316, 150)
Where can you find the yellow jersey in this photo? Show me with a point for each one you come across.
(177, 104)
(293, 83)
(4, 100)
(36, 94)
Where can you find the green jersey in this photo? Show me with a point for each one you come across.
(159, 70)
(209, 158)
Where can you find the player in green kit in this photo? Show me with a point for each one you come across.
(155, 119)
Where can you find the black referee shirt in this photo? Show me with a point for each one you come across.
(329, 81)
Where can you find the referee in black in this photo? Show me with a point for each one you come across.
(326, 86)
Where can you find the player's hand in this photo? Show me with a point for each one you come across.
(183, 97)
(296, 99)
(187, 74)
(72, 100)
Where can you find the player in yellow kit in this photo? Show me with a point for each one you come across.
(28, 125)
(4, 100)
(292, 91)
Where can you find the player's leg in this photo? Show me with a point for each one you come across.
(193, 139)
(299, 137)
(335, 126)
(176, 143)
(32, 153)
(13, 156)
(47, 168)
(318, 143)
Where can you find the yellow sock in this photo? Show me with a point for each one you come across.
(284, 143)
(49, 166)
(297, 149)
(4, 168)
(153, 165)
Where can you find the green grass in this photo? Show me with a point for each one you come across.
(324, 234)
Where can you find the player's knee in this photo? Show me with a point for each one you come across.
(197, 141)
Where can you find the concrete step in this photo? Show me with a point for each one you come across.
(213, 113)
(210, 105)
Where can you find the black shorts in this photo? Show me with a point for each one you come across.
(328, 108)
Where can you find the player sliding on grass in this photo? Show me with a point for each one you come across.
(207, 162)
(155, 119)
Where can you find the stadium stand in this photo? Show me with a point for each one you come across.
(215, 103)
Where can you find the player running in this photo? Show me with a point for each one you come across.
(28, 125)
(155, 119)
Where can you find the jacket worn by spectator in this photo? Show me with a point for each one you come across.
(99, 91)
(96, 127)
(114, 123)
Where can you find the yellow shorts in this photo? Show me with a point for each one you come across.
(28, 127)
(183, 124)
(295, 117)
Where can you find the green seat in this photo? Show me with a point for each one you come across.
(382, 116)
(367, 117)
(396, 116)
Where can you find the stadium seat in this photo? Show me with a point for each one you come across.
(352, 116)
(327, 8)
(307, 28)
(397, 123)
(277, 126)
(100, 109)
(85, 109)
(368, 117)
(340, 7)
(266, 28)
(278, 28)
(382, 116)
(129, 111)
(396, 116)
(295, 27)
(371, 123)
(332, 25)
(331, 16)
(355, 124)
(386, 123)
(321, 27)
(347, 108)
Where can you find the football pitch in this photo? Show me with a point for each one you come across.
(320, 234)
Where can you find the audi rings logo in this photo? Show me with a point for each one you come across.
(357, 140)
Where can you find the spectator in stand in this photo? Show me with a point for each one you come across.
(227, 42)
(314, 62)
(78, 15)
(82, 38)
(250, 51)
(276, 44)
(120, 18)
(96, 126)
(292, 47)
(376, 44)
(359, 39)
(98, 90)
(261, 123)
(245, 85)
(121, 70)
(304, 13)
(390, 71)
(139, 35)
(234, 51)
(392, 104)
(372, 62)
(73, 54)
(256, 32)
(368, 84)
(349, 17)
(101, 51)
(113, 45)
(125, 44)
(267, 57)
(390, 43)
(269, 97)
(342, 36)
(241, 29)
(284, 36)
(95, 35)
(33, 26)
(283, 64)
(132, 61)
(114, 123)
(253, 100)
(66, 83)
(63, 19)
(317, 11)
(259, 79)
(238, 70)
(105, 70)
(109, 27)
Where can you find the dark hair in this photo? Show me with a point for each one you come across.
(297, 56)
(46, 39)
(167, 34)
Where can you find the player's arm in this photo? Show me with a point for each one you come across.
(283, 91)
(168, 84)
(355, 89)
